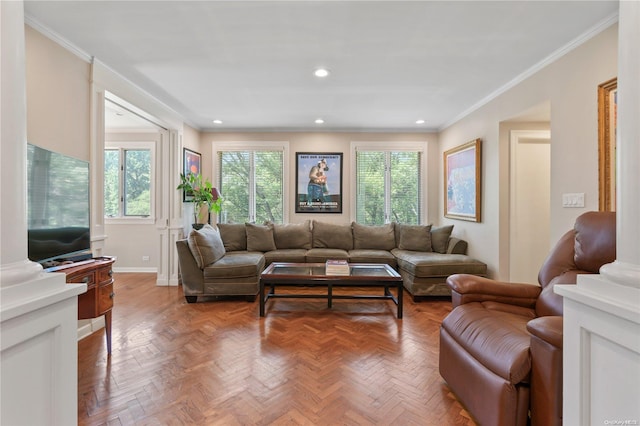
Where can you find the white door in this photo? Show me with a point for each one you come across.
(530, 203)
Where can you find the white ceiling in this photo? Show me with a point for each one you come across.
(250, 63)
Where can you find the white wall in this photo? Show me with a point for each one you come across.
(570, 86)
(58, 97)
(335, 142)
(120, 243)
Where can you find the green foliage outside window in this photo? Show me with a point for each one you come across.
(127, 182)
(111, 182)
(252, 184)
(137, 174)
(387, 187)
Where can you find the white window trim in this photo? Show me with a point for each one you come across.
(151, 146)
(389, 146)
(258, 146)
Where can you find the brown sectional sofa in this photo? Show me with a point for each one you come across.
(228, 260)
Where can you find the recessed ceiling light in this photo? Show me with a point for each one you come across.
(321, 72)
(419, 121)
(319, 121)
(217, 121)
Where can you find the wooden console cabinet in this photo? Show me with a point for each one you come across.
(98, 300)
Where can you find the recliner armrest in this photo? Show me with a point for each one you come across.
(546, 370)
(466, 288)
(548, 329)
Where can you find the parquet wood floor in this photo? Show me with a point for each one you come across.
(219, 363)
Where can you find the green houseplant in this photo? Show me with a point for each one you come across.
(202, 193)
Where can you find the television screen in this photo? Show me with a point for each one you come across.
(57, 207)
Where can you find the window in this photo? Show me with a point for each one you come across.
(128, 180)
(388, 186)
(252, 185)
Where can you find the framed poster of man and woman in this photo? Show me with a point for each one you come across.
(318, 182)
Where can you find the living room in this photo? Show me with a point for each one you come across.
(65, 95)
(543, 101)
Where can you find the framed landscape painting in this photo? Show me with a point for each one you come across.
(318, 182)
(462, 181)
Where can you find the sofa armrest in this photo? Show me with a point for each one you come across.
(467, 288)
(192, 277)
(456, 246)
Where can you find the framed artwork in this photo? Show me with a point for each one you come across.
(462, 181)
(607, 127)
(318, 182)
(192, 162)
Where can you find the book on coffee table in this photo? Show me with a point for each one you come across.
(337, 267)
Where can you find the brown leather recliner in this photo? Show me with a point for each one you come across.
(501, 345)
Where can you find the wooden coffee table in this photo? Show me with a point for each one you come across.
(313, 275)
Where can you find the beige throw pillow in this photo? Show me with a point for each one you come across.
(259, 237)
(292, 235)
(234, 236)
(415, 237)
(373, 237)
(328, 235)
(205, 245)
(440, 238)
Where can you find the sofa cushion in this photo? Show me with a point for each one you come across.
(496, 338)
(259, 237)
(377, 237)
(372, 256)
(430, 264)
(235, 265)
(286, 255)
(415, 237)
(440, 238)
(292, 235)
(321, 255)
(329, 235)
(206, 245)
(234, 236)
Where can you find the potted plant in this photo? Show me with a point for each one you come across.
(203, 194)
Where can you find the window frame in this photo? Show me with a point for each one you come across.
(121, 147)
(243, 146)
(389, 146)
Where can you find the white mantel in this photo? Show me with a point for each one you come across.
(601, 381)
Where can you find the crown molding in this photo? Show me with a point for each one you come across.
(573, 44)
(57, 38)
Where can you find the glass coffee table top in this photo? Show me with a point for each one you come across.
(318, 269)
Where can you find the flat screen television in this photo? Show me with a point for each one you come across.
(57, 207)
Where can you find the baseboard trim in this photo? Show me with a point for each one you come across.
(88, 327)
(135, 269)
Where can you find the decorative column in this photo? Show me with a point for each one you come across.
(14, 265)
(602, 312)
(38, 311)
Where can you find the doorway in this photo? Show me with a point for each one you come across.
(530, 192)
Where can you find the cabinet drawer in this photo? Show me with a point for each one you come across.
(105, 275)
(105, 298)
(86, 278)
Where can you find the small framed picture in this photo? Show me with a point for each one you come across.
(191, 164)
(462, 181)
(318, 182)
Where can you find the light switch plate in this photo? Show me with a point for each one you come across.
(573, 200)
